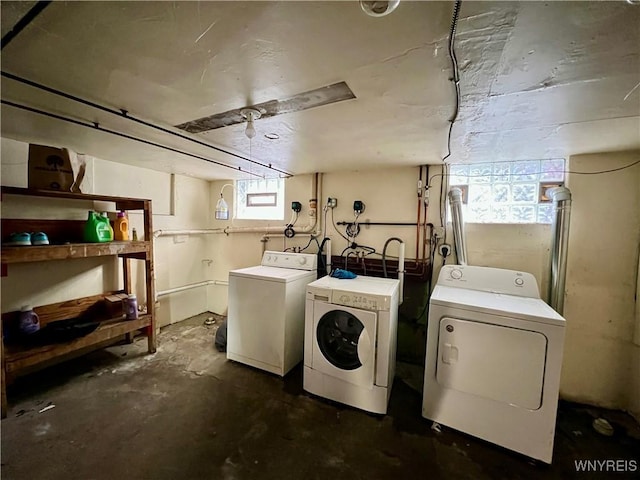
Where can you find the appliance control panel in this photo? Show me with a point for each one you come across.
(487, 279)
(297, 261)
(362, 301)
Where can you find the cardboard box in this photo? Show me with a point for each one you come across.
(52, 168)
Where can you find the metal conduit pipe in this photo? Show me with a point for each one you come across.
(561, 197)
(455, 198)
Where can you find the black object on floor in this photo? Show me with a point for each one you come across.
(221, 337)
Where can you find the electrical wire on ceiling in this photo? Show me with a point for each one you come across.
(456, 74)
(456, 82)
(572, 172)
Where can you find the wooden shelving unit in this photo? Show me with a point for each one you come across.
(67, 243)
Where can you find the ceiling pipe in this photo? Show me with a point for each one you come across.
(96, 126)
(455, 198)
(561, 197)
(125, 114)
(24, 22)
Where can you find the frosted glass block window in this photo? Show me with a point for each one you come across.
(259, 199)
(508, 192)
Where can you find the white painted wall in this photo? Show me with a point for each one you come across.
(176, 264)
(601, 360)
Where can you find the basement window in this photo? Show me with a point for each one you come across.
(507, 192)
(260, 199)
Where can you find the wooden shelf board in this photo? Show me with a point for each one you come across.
(134, 203)
(71, 250)
(18, 358)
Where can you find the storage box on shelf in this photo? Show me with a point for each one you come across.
(66, 242)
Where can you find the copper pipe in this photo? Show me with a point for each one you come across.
(424, 234)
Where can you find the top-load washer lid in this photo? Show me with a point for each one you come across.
(526, 308)
(272, 274)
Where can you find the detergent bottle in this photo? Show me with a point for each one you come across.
(108, 230)
(121, 227)
(97, 228)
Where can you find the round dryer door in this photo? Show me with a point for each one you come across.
(343, 339)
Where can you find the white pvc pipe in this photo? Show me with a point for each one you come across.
(202, 231)
(401, 272)
(328, 249)
(310, 228)
(190, 286)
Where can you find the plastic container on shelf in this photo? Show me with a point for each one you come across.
(105, 218)
(97, 229)
(28, 321)
(121, 227)
(131, 307)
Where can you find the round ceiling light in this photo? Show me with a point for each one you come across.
(378, 8)
(272, 136)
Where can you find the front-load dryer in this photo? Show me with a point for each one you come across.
(494, 354)
(350, 340)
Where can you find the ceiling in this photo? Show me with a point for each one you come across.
(537, 80)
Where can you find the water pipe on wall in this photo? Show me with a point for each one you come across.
(561, 197)
(190, 286)
(400, 264)
(310, 228)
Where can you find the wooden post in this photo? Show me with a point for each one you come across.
(4, 375)
(150, 277)
(126, 273)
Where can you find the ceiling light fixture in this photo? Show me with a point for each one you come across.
(272, 136)
(250, 114)
(378, 9)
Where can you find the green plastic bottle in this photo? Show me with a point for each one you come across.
(97, 229)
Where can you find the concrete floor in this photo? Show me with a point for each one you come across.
(188, 413)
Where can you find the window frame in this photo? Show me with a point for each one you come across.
(514, 191)
(248, 189)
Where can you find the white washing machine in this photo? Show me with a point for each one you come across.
(494, 354)
(350, 340)
(265, 321)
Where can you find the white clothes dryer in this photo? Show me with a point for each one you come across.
(265, 321)
(493, 361)
(350, 340)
